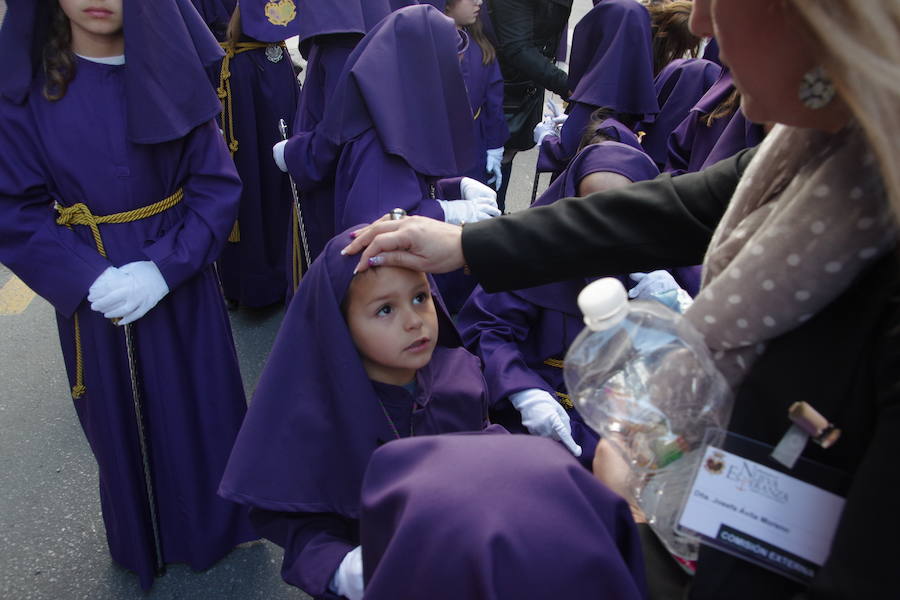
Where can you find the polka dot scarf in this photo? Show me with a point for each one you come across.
(808, 216)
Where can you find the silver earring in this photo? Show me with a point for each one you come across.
(816, 89)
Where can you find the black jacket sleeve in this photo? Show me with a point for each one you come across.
(665, 222)
(515, 25)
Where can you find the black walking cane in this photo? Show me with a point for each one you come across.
(298, 222)
(142, 440)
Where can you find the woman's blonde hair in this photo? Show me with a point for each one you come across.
(860, 48)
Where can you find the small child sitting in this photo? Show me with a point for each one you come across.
(358, 362)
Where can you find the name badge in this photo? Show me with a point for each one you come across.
(762, 513)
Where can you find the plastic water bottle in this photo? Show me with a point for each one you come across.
(641, 375)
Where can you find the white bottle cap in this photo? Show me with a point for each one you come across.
(604, 303)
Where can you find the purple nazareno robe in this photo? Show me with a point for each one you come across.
(679, 86)
(216, 14)
(493, 517)
(262, 89)
(611, 66)
(694, 145)
(82, 149)
(316, 418)
(522, 336)
(485, 86)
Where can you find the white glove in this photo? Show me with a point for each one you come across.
(472, 189)
(554, 111)
(278, 155)
(662, 287)
(137, 289)
(457, 212)
(492, 165)
(563, 66)
(543, 415)
(348, 579)
(109, 279)
(549, 126)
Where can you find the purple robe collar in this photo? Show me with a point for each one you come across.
(611, 62)
(493, 516)
(404, 80)
(625, 159)
(167, 47)
(315, 416)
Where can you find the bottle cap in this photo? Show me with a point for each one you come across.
(604, 303)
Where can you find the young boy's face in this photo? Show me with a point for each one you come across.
(391, 317)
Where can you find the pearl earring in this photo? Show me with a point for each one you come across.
(816, 89)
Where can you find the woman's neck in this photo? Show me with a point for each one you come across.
(94, 45)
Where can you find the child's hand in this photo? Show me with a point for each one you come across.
(543, 415)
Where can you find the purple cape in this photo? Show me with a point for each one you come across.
(315, 418)
(679, 86)
(327, 17)
(493, 517)
(163, 103)
(404, 80)
(216, 14)
(271, 20)
(611, 62)
(76, 150)
(556, 152)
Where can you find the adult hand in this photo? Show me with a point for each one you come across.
(492, 165)
(662, 287)
(417, 243)
(348, 578)
(139, 289)
(458, 212)
(610, 468)
(543, 415)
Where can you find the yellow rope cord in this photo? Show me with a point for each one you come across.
(554, 362)
(561, 397)
(296, 261)
(235, 236)
(80, 214)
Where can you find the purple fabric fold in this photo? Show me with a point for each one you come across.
(493, 517)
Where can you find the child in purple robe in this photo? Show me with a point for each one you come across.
(522, 336)
(116, 194)
(714, 129)
(493, 517)
(358, 362)
(257, 86)
(484, 83)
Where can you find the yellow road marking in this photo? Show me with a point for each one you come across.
(15, 297)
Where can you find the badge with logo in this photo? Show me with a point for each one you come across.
(274, 53)
(748, 505)
(281, 12)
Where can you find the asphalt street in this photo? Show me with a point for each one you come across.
(51, 530)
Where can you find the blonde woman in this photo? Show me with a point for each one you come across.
(801, 283)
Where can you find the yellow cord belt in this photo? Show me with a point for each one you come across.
(560, 397)
(224, 93)
(80, 214)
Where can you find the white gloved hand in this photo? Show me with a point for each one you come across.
(549, 126)
(543, 415)
(138, 289)
(109, 280)
(662, 287)
(492, 165)
(348, 579)
(278, 155)
(457, 212)
(554, 111)
(472, 189)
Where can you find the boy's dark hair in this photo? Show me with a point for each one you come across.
(593, 135)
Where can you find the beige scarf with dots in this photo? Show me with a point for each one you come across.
(808, 216)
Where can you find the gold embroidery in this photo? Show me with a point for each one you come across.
(281, 12)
